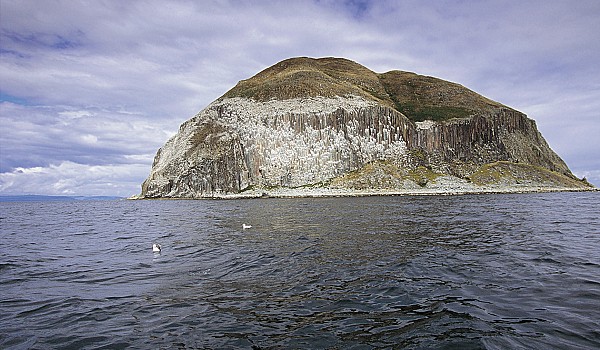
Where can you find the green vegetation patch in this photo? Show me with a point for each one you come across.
(509, 173)
(422, 176)
(384, 174)
(419, 113)
(487, 174)
(427, 98)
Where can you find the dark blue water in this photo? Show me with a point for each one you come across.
(459, 272)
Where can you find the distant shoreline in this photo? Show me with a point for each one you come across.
(50, 198)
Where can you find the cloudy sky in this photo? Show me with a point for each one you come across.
(89, 90)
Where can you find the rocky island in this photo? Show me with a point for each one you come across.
(330, 126)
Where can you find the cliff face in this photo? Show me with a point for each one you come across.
(330, 122)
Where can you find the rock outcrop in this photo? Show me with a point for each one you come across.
(331, 123)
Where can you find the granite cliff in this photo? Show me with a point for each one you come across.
(332, 126)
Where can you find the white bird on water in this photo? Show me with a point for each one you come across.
(245, 226)
(156, 247)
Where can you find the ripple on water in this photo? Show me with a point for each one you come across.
(500, 271)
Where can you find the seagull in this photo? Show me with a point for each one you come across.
(156, 248)
(245, 227)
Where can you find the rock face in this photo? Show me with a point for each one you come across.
(332, 123)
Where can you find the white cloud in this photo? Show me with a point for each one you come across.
(68, 178)
(42, 135)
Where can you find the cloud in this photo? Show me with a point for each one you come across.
(42, 135)
(104, 84)
(68, 178)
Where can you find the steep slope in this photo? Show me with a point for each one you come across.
(426, 98)
(332, 123)
(306, 77)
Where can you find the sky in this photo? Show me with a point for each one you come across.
(89, 90)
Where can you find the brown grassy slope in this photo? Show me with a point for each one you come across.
(416, 96)
(512, 174)
(308, 77)
(421, 97)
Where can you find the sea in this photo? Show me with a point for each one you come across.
(487, 271)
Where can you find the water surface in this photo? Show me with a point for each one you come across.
(463, 272)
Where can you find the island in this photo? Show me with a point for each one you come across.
(332, 127)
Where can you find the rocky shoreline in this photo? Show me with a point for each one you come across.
(324, 192)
